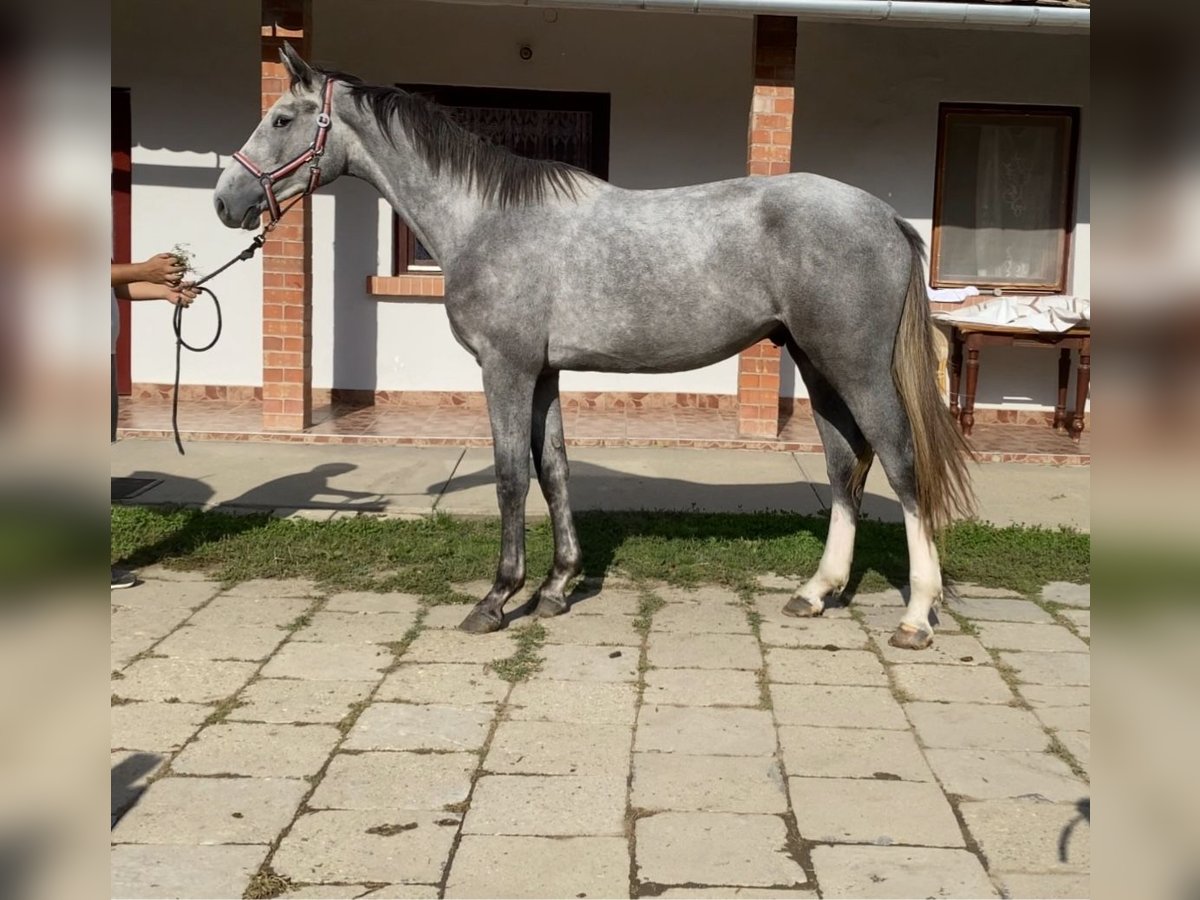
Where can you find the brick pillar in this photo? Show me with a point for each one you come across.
(287, 254)
(769, 153)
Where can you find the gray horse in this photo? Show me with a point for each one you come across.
(549, 269)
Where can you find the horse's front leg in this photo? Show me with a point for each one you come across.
(550, 461)
(510, 403)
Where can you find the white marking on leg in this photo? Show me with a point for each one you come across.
(924, 574)
(834, 569)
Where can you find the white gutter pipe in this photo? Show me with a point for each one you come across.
(1021, 17)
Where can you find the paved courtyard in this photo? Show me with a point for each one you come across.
(271, 740)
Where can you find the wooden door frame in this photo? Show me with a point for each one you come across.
(122, 221)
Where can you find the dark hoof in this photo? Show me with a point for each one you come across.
(545, 606)
(910, 638)
(480, 622)
(801, 609)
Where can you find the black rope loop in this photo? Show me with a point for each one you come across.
(177, 326)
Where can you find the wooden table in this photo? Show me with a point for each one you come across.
(973, 337)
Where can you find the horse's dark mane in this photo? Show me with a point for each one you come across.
(493, 172)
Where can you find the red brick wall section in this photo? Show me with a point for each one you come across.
(769, 152)
(287, 254)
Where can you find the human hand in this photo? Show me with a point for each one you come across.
(162, 268)
(182, 295)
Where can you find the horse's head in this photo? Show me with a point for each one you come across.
(293, 149)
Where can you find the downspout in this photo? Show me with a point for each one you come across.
(898, 12)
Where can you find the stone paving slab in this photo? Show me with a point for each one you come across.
(253, 642)
(242, 610)
(737, 784)
(212, 811)
(676, 650)
(182, 680)
(154, 726)
(395, 781)
(453, 684)
(145, 625)
(787, 666)
(970, 684)
(273, 588)
(882, 873)
(1021, 636)
(402, 726)
(698, 730)
(1042, 886)
(726, 892)
(1051, 695)
(707, 616)
(547, 805)
(836, 706)
(1024, 835)
(996, 774)
(976, 726)
(156, 594)
(1068, 594)
(153, 872)
(436, 646)
(843, 633)
(1000, 609)
(852, 753)
(403, 892)
(285, 700)
(555, 748)
(367, 846)
(701, 687)
(573, 702)
(1079, 745)
(715, 848)
(864, 811)
(357, 602)
(1065, 718)
(1050, 668)
(328, 662)
(609, 630)
(242, 748)
(550, 867)
(572, 662)
(354, 628)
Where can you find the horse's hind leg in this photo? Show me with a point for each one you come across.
(510, 403)
(881, 415)
(848, 458)
(550, 462)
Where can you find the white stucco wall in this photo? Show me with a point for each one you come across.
(867, 112)
(679, 88)
(192, 70)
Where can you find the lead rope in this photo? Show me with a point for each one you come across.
(177, 324)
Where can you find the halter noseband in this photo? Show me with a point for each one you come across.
(312, 156)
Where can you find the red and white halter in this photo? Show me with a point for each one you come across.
(311, 156)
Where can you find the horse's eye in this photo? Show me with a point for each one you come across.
(282, 121)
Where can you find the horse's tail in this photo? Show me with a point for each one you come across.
(943, 483)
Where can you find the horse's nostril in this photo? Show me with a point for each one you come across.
(220, 207)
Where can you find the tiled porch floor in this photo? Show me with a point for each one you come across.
(227, 420)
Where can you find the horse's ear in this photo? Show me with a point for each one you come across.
(300, 71)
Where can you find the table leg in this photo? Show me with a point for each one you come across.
(968, 412)
(1083, 377)
(955, 370)
(1064, 378)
